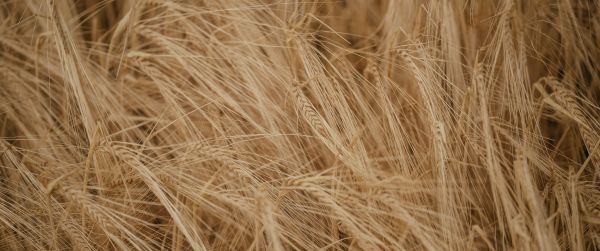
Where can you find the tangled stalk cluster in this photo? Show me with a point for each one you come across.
(299, 125)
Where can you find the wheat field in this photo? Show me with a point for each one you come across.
(299, 125)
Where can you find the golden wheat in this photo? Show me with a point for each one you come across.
(299, 125)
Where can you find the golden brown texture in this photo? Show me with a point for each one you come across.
(299, 125)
